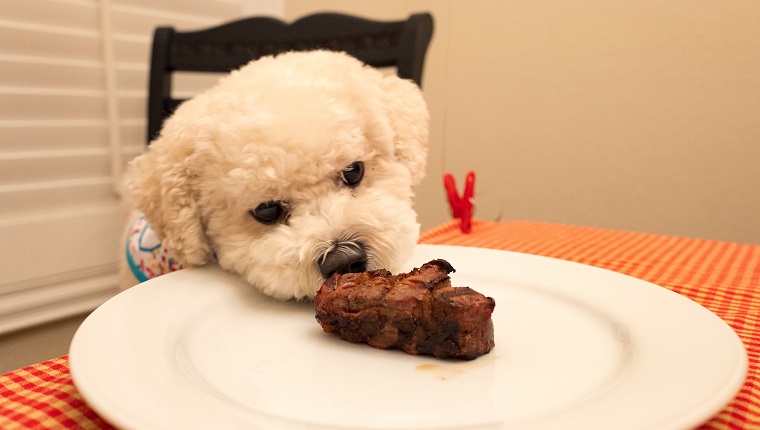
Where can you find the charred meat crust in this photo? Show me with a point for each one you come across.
(418, 312)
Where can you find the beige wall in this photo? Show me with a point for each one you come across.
(640, 115)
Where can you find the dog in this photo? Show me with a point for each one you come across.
(291, 168)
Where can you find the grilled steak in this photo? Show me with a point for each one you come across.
(418, 312)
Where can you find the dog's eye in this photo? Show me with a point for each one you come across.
(268, 212)
(353, 174)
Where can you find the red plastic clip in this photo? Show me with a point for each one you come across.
(461, 207)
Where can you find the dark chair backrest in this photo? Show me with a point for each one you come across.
(221, 49)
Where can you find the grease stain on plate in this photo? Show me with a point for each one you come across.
(440, 372)
(448, 371)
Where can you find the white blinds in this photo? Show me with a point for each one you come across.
(73, 80)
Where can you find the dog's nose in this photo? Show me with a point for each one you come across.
(344, 257)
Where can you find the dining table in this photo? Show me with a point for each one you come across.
(722, 276)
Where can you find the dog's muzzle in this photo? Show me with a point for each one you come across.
(343, 257)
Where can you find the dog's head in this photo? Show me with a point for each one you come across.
(291, 168)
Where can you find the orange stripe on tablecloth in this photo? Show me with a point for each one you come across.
(558, 244)
(727, 262)
(672, 260)
(687, 282)
(435, 234)
(20, 396)
(44, 396)
(615, 253)
(703, 285)
(745, 275)
(737, 417)
(664, 249)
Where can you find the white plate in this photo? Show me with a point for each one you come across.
(576, 347)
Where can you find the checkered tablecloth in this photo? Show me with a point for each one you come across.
(724, 277)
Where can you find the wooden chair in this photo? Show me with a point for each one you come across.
(400, 44)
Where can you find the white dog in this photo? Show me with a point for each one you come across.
(288, 170)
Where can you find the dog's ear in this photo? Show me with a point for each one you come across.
(409, 118)
(160, 183)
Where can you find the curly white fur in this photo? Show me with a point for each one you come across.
(282, 129)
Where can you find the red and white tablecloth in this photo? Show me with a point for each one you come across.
(722, 276)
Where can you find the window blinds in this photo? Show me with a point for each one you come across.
(73, 82)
